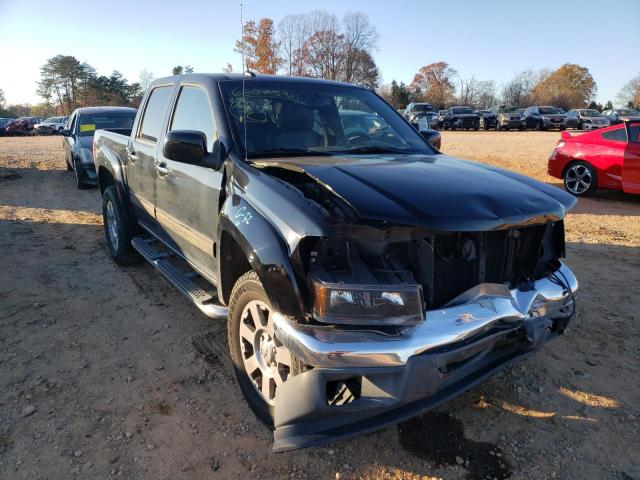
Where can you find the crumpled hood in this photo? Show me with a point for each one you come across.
(433, 191)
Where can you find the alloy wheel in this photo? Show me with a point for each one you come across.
(112, 226)
(266, 361)
(578, 179)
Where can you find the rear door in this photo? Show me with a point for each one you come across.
(141, 153)
(187, 195)
(631, 162)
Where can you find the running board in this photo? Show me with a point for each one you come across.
(205, 301)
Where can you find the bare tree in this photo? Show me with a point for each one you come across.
(145, 77)
(629, 96)
(359, 36)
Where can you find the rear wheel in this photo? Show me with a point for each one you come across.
(580, 179)
(539, 126)
(118, 229)
(260, 361)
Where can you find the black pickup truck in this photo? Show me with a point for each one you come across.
(364, 276)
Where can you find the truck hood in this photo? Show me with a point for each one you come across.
(432, 191)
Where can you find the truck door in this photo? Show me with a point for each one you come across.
(141, 153)
(187, 195)
(631, 161)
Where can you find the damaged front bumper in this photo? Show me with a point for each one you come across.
(394, 376)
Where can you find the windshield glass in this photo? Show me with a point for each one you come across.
(91, 122)
(463, 110)
(298, 118)
(589, 113)
(51, 120)
(628, 112)
(422, 108)
(548, 110)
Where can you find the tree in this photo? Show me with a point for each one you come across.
(188, 69)
(570, 86)
(518, 91)
(177, 70)
(228, 68)
(2, 98)
(608, 105)
(261, 49)
(399, 95)
(360, 39)
(59, 80)
(145, 78)
(434, 84)
(44, 109)
(630, 93)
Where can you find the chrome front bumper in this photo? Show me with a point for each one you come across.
(469, 315)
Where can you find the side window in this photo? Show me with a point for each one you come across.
(154, 112)
(619, 135)
(72, 122)
(192, 112)
(634, 133)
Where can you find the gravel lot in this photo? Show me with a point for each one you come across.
(108, 372)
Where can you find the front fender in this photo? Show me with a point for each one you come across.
(107, 159)
(266, 252)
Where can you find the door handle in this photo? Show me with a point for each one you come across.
(162, 169)
(132, 155)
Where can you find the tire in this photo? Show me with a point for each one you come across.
(249, 298)
(118, 229)
(539, 126)
(579, 126)
(80, 185)
(521, 128)
(580, 179)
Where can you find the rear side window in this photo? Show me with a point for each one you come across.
(192, 112)
(619, 135)
(154, 112)
(634, 133)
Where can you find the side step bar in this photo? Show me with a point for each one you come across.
(181, 280)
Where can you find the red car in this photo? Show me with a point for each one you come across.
(607, 158)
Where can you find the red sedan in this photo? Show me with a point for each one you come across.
(607, 158)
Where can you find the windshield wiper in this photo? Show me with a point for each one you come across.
(287, 152)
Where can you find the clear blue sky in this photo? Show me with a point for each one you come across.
(492, 40)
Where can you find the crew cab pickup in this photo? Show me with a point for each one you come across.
(364, 276)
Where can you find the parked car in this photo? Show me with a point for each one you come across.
(461, 117)
(606, 158)
(488, 119)
(22, 126)
(617, 115)
(78, 137)
(414, 110)
(351, 302)
(4, 122)
(441, 114)
(50, 125)
(585, 119)
(544, 118)
(511, 119)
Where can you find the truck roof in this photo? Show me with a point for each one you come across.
(253, 78)
(103, 109)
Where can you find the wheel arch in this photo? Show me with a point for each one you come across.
(247, 239)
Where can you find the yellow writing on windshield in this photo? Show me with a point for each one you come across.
(89, 127)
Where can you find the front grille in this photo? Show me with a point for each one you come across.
(502, 256)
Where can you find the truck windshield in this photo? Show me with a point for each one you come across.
(548, 110)
(463, 110)
(300, 118)
(91, 122)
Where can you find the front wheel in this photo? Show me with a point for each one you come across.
(260, 361)
(118, 229)
(580, 179)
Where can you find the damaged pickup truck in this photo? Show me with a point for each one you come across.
(365, 276)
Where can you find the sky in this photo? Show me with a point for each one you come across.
(491, 40)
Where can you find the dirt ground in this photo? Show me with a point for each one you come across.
(108, 372)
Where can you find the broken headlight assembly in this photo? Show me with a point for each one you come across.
(366, 304)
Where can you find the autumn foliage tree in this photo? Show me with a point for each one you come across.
(434, 84)
(570, 86)
(261, 49)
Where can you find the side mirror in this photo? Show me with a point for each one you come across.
(432, 137)
(65, 133)
(188, 146)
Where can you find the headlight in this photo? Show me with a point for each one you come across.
(86, 156)
(366, 304)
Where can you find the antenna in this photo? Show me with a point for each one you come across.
(244, 100)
